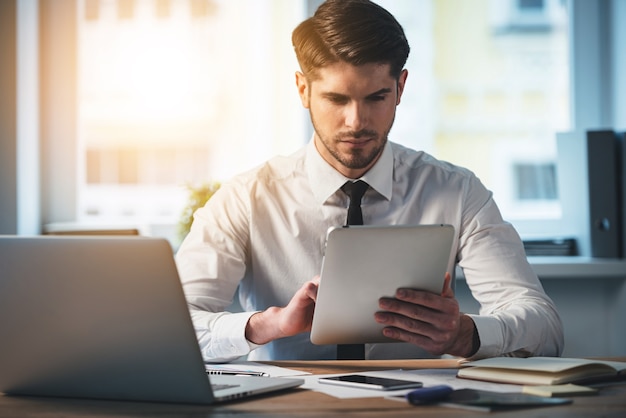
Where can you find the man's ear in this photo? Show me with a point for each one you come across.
(401, 81)
(303, 89)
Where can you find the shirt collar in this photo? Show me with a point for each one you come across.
(325, 180)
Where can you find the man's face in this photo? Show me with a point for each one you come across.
(352, 110)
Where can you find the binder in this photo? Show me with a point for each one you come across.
(605, 195)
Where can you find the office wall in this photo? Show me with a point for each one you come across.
(618, 15)
(592, 310)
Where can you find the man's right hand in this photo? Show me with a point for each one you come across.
(295, 318)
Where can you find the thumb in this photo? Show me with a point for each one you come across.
(447, 291)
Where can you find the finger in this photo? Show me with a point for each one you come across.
(416, 297)
(405, 329)
(427, 343)
(305, 296)
(311, 289)
(447, 291)
(398, 311)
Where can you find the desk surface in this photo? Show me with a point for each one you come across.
(611, 401)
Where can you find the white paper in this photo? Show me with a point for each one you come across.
(429, 377)
(432, 377)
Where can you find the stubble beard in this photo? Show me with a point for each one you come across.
(357, 159)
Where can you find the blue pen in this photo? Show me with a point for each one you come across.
(428, 395)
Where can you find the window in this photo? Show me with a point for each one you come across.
(178, 92)
(526, 15)
(488, 89)
(502, 76)
(160, 97)
(535, 181)
(181, 91)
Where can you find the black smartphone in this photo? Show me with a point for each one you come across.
(368, 382)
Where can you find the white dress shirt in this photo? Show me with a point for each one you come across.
(263, 233)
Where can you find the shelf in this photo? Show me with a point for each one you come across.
(575, 267)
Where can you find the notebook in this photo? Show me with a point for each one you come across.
(364, 263)
(542, 370)
(104, 318)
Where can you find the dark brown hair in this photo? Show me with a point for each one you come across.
(354, 31)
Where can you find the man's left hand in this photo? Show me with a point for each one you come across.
(428, 320)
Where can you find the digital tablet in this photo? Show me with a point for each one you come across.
(364, 263)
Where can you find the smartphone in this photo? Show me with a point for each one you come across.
(368, 382)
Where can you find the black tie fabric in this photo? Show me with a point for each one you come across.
(355, 190)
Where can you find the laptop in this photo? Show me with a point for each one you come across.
(104, 318)
(364, 263)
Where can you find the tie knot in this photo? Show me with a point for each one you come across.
(355, 190)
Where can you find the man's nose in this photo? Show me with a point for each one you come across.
(355, 116)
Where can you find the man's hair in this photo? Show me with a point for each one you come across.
(354, 31)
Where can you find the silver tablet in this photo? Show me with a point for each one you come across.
(364, 263)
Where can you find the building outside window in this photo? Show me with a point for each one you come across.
(179, 92)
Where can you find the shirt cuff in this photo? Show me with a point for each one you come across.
(231, 332)
(490, 334)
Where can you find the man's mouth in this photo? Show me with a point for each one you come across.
(358, 138)
(353, 142)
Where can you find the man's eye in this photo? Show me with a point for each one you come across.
(338, 100)
(377, 98)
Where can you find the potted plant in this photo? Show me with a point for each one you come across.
(197, 197)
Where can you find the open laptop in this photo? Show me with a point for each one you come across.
(104, 318)
(363, 263)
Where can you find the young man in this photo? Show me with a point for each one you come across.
(265, 230)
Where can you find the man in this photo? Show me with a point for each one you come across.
(265, 230)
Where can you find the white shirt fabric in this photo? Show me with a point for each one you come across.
(263, 234)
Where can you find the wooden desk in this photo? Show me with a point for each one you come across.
(611, 402)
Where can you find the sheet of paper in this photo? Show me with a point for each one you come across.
(429, 377)
(272, 371)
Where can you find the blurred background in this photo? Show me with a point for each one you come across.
(141, 99)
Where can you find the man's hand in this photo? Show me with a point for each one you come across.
(428, 320)
(292, 319)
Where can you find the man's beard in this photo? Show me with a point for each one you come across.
(357, 159)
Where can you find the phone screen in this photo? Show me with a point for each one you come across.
(368, 382)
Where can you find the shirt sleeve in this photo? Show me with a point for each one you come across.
(211, 263)
(516, 317)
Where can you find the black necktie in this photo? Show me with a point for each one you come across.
(355, 190)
